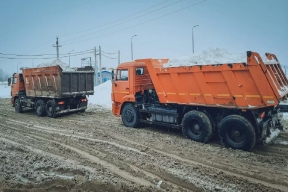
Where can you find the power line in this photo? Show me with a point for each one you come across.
(63, 56)
(40, 55)
(116, 20)
(141, 23)
(109, 57)
(109, 53)
(123, 22)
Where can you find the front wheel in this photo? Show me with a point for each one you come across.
(237, 132)
(18, 106)
(130, 116)
(196, 126)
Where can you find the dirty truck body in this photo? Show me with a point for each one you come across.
(237, 101)
(51, 91)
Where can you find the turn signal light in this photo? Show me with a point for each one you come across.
(61, 103)
(84, 100)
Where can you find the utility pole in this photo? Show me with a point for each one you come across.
(69, 57)
(193, 38)
(132, 47)
(118, 57)
(96, 66)
(57, 47)
(100, 65)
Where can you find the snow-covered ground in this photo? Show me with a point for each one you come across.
(5, 90)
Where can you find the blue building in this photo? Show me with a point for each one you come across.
(106, 76)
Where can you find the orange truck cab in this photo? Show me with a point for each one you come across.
(17, 86)
(237, 101)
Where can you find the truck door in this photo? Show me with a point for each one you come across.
(120, 85)
(17, 85)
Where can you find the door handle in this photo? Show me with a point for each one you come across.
(127, 88)
(115, 84)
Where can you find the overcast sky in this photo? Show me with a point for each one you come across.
(163, 29)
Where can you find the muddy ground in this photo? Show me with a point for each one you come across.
(94, 151)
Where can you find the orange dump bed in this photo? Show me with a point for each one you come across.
(253, 84)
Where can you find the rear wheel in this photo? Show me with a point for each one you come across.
(51, 108)
(197, 126)
(237, 132)
(130, 116)
(40, 108)
(18, 106)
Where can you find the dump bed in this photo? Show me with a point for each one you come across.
(56, 83)
(252, 84)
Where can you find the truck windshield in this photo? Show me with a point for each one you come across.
(122, 75)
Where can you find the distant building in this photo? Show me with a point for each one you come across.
(106, 76)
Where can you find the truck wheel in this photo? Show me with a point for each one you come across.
(51, 108)
(197, 126)
(214, 127)
(237, 132)
(18, 106)
(130, 116)
(40, 108)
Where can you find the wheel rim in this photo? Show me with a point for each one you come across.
(39, 109)
(129, 117)
(195, 128)
(50, 108)
(17, 105)
(235, 135)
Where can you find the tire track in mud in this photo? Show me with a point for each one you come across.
(116, 170)
(185, 161)
(110, 132)
(231, 170)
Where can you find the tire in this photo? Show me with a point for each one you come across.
(130, 116)
(18, 106)
(214, 127)
(51, 108)
(237, 132)
(197, 126)
(40, 108)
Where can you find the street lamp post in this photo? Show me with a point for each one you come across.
(69, 57)
(132, 47)
(193, 37)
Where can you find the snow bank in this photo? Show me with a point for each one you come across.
(102, 96)
(64, 66)
(5, 90)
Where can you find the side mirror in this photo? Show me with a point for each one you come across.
(112, 75)
(9, 81)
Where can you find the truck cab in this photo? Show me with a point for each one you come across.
(17, 86)
(130, 78)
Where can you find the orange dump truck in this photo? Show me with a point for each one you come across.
(50, 90)
(237, 101)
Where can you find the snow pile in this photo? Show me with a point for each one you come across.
(5, 90)
(101, 97)
(266, 60)
(210, 56)
(64, 66)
